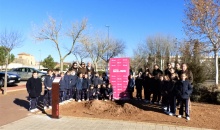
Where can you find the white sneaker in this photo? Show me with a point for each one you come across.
(79, 101)
(35, 109)
(171, 114)
(105, 100)
(187, 118)
(165, 108)
(83, 99)
(32, 110)
(71, 99)
(87, 100)
(45, 108)
(179, 116)
(50, 107)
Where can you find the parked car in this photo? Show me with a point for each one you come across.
(26, 72)
(12, 78)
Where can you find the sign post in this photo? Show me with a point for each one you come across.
(55, 97)
(119, 72)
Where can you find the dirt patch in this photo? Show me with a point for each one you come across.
(202, 115)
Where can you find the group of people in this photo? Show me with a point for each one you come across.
(78, 83)
(170, 88)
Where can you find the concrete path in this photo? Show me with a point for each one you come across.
(43, 122)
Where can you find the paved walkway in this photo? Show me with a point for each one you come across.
(42, 122)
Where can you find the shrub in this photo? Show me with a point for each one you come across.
(205, 93)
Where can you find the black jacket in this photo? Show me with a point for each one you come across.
(34, 87)
(108, 91)
(139, 82)
(183, 89)
(157, 71)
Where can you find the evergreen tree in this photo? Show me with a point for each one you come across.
(167, 56)
(3, 55)
(48, 62)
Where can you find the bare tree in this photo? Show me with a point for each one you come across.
(52, 31)
(112, 49)
(157, 45)
(93, 45)
(80, 53)
(139, 57)
(202, 20)
(9, 40)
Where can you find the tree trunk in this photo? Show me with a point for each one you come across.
(216, 68)
(61, 65)
(6, 75)
(96, 67)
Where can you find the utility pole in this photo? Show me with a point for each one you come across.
(107, 52)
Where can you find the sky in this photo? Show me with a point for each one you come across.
(129, 20)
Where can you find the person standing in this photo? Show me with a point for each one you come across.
(167, 70)
(48, 87)
(90, 68)
(34, 89)
(85, 88)
(72, 84)
(82, 69)
(79, 83)
(63, 87)
(74, 67)
(188, 73)
(157, 71)
(139, 85)
(178, 69)
(184, 90)
(131, 84)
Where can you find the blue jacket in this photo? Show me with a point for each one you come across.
(96, 80)
(73, 80)
(184, 89)
(85, 84)
(131, 83)
(48, 81)
(63, 84)
(79, 83)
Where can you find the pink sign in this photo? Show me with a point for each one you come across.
(119, 72)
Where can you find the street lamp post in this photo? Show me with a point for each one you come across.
(107, 52)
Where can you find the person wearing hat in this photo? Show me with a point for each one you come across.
(82, 69)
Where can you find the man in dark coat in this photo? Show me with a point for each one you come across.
(34, 89)
(157, 71)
